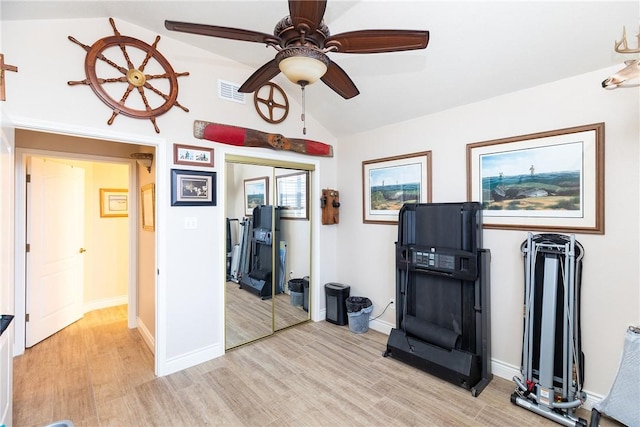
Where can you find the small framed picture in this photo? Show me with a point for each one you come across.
(192, 155)
(114, 202)
(256, 193)
(148, 195)
(390, 182)
(193, 188)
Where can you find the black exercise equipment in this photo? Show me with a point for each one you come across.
(442, 288)
(552, 359)
(262, 269)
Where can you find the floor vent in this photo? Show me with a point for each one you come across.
(229, 91)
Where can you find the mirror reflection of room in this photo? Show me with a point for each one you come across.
(268, 251)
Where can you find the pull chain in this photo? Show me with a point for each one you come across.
(302, 116)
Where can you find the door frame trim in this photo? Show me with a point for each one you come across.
(21, 155)
(158, 143)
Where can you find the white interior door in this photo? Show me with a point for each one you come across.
(55, 261)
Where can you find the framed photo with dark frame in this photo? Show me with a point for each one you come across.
(192, 155)
(193, 188)
(256, 193)
(114, 202)
(546, 181)
(292, 192)
(390, 182)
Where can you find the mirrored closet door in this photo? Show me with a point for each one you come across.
(268, 259)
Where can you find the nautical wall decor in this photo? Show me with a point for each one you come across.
(154, 74)
(244, 137)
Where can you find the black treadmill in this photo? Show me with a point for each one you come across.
(442, 294)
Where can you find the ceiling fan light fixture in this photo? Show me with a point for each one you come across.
(302, 65)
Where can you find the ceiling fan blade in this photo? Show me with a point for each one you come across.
(307, 13)
(378, 41)
(260, 77)
(339, 81)
(222, 32)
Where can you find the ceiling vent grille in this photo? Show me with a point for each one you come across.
(229, 91)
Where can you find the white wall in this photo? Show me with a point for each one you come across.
(107, 239)
(611, 291)
(190, 285)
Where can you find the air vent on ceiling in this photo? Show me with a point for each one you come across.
(229, 91)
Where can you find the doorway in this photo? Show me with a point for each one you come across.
(72, 149)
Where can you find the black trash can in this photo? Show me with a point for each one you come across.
(358, 309)
(336, 296)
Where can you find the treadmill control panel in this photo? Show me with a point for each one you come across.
(433, 260)
(262, 235)
(443, 261)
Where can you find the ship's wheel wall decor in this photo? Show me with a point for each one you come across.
(271, 103)
(132, 77)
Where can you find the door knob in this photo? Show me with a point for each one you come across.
(82, 250)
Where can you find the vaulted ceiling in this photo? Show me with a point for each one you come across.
(477, 49)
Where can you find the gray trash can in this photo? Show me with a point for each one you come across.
(358, 309)
(296, 291)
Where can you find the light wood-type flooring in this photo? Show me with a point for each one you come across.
(97, 372)
(249, 317)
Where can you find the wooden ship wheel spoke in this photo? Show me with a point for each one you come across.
(165, 87)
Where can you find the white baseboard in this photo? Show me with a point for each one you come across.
(193, 358)
(146, 335)
(381, 326)
(105, 303)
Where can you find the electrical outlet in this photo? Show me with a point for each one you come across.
(392, 301)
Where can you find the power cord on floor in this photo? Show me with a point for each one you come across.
(385, 309)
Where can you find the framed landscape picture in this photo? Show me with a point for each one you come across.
(256, 193)
(547, 181)
(390, 182)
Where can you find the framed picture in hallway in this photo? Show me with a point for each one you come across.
(114, 202)
(148, 196)
(546, 181)
(193, 188)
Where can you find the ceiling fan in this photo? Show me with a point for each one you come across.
(303, 40)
